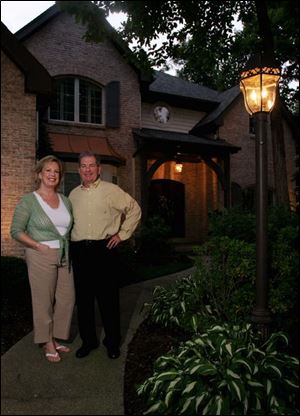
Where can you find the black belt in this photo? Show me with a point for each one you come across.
(89, 242)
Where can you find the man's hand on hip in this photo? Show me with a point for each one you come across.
(113, 241)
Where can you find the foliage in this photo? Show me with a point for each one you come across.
(284, 286)
(222, 288)
(224, 371)
(225, 269)
(13, 274)
(14, 285)
(133, 266)
(201, 36)
(283, 231)
(153, 241)
(233, 223)
(237, 223)
(181, 305)
(280, 217)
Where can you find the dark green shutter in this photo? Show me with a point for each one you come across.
(113, 104)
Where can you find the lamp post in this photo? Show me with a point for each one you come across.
(258, 83)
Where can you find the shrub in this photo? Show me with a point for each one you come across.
(223, 371)
(239, 224)
(225, 270)
(16, 296)
(283, 258)
(234, 223)
(13, 274)
(222, 288)
(181, 305)
(153, 241)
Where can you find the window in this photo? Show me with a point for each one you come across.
(70, 181)
(77, 100)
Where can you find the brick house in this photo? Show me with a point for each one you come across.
(24, 85)
(179, 148)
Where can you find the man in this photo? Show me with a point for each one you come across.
(104, 215)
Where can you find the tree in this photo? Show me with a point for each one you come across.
(201, 35)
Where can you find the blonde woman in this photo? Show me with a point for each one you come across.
(42, 221)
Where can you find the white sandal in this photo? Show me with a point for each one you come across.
(62, 348)
(51, 355)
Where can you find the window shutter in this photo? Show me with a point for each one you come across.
(113, 104)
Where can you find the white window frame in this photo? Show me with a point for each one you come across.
(76, 104)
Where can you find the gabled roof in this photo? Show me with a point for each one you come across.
(37, 23)
(113, 35)
(214, 118)
(181, 93)
(37, 78)
(161, 86)
(170, 84)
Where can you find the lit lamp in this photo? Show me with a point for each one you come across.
(258, 83)
(178, 167)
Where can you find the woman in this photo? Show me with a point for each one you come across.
(42, 221)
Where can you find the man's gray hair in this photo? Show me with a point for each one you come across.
(89, 154)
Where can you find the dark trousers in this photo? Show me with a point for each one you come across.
(95, 277)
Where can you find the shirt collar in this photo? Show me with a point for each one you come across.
(92, 185)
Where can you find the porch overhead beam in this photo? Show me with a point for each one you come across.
(153, 168)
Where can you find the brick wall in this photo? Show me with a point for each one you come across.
(236, 130)
(59, 47)
(18, 138)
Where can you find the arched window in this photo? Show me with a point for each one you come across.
(77, 100)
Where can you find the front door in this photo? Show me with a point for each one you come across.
(166, 199)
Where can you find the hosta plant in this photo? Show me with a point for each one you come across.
(181, 305)
(224, 371)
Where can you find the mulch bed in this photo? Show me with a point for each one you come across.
(16, 322)
(149, 342)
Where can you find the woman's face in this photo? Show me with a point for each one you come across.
(50, 174)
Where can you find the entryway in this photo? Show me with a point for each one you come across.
(166, 199)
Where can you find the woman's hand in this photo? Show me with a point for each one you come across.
(41, 247)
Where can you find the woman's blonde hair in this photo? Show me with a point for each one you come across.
(42, 162)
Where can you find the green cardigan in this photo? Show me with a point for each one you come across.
(29, 217)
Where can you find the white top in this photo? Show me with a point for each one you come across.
(59, 216)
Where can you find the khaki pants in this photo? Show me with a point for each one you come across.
(52, 292)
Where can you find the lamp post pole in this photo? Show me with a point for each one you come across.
(259, 81)
(261, 314)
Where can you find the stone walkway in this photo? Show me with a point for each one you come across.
(90, 386)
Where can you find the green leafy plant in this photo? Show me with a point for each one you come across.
(225, 271)
(225, 371)
(181, 305)
(221, 289)
(153, 241)
(234, 223)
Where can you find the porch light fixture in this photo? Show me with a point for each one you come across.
(178, 167)
(258, 82)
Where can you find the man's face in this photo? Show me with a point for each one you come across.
(89, 170)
